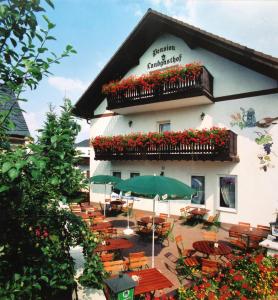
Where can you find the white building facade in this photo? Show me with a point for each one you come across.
(242, 97)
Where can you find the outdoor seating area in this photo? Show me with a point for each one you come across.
(183, 253)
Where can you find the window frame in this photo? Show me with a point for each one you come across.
(134, 173)
(113, 172)
(159, 123)
(227, 209)
(196, 204)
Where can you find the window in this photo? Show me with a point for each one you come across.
(227, 192)
(117, 174)
(134, 175)
(198, 183)
(164, 126)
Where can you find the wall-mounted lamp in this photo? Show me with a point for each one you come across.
(202, 116)
(130, 123)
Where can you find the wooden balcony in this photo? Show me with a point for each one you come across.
(190, 92)
(196, 152)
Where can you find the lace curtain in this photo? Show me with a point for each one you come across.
(227, 189)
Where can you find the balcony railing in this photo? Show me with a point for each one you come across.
(194, 151)
(201, 85)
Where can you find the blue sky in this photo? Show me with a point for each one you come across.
(97, 28)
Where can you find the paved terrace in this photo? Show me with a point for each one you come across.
(165, 256)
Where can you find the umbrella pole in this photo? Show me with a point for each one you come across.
(168, 208)
(127, 214)
(128, 230)
(104, 199)
(153, 233)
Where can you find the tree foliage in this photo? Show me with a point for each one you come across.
(25, 32)
(35, 233)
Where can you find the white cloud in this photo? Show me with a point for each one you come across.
(34, 121)
(67, 84)
(85, 131)
(138, 12)
(250, 23)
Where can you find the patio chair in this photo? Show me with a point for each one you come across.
(166, 225)
(211, 220)
(254, 242)
(185, 213)
(128, 209)
(163, 216)
(163, 233)
(143, 230)
(181, 250)
(101, 207)
(244, 224)
(88, 221)
(96, 220)
(263, 227)
(107, 257)
(192, 261)
(110, 233)
(209, 267)
(236, 241)
(210, 236)
(75, 208)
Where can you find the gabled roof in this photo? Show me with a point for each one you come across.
(151, 26)
(84, 143)
(16, 116)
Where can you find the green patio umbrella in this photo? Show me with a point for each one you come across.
(156, 187)
(105, 179)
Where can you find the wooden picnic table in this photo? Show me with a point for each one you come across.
(101, 226)
(88, 215)
(117, 202)
(150, 280)
(208, 247)
(83, 215)
(199, 211)
(157, 220)
(114, 244)
(246, 231)
(116, 205)
(93, 214)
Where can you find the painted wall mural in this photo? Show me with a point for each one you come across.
(244, 118)
(247, 118)
(266, 142)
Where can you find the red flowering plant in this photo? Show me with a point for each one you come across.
(252, 276)
(122, 143)
(155, 79)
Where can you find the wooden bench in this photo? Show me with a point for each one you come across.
(138, 263)
(137, 254)
(115, 266)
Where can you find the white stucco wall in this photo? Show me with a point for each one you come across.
(256, 190)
